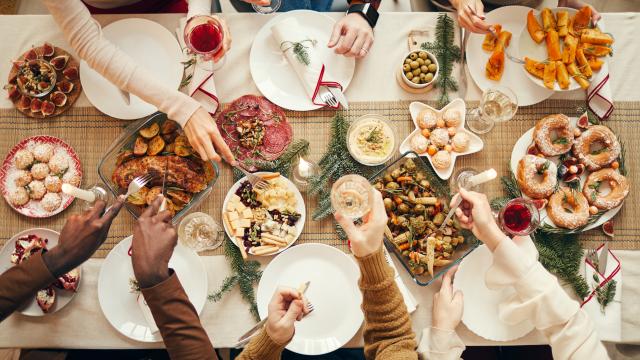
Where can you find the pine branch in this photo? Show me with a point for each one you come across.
(228, 284)
(282, 164)
(606, 294)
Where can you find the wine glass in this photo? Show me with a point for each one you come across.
(498, 104)
(200, 232)
(204, 37)
(459, 180)
(519, 217)
(273, 6)
(351, 196)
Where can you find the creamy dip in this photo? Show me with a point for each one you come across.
(371, 140)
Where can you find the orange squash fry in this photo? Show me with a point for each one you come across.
(594, 36)
(569, 49)
(535, 68)
(489, 42)
(553, 45)
(584, 67)
(535, 31)
(495, 65)
(577, 75)
(549, 77)
(594, 63)
(548, 20)
(596, 50)
(582, 19)
(562, 75)
(563, 23)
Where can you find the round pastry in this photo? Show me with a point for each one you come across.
(43, 152)
(542, 135)
(618, 184)
(596, 160)
(427, 118)
(568, 208)
(419, 143)
(51, 201)
(39, 171)
(439, 137)
(53, 184)
(59, 163)
(71, 180)
(441, 160)
(19, 196)
(460, 142)
(452, 117)
(23, 178)
(24, 159)
(36, 189)
(536, 176)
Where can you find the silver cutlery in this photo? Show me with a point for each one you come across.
(462, 82)
(592, 256)
(138, 183)
(163, 206)
(256, 181)
(472, 181)
(602, 258)
(339, 95)
(327, 97)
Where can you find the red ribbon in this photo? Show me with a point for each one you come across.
(327, 84)
(596, 92)
(606, 278)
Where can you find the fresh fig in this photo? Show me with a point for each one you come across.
(48, 108)
(47, 49)
(24, 103)
(59, 98)
(59, 62)
(533, 149)
(71, 73)
(540, 203)
(22, 81)
(65, 86)
(31, 55)
(13, 92)
(569, 178)
(583, 121)
(43, 85)
(607, 228)
(36, 105)
(18, 63)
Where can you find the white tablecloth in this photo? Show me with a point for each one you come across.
(82, 324)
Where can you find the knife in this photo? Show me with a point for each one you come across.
(337, 93)
(462, 83)
(602, 259)
(163, 206)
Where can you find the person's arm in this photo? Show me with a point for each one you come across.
(387, 328)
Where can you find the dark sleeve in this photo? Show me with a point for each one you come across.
(374, 3)
(178, 321)
(21, 283)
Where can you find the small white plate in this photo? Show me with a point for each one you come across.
(481, 304)
(300, 208)
(160, 56)
(538, 52)
(475, 143)
(512, 19)
(273, 75)
(520, 150)
(119, 305)
(333, 291)
(63, 297)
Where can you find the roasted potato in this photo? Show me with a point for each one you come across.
(535, 68)
(178, 197)
(124, 156)
(140, 147)
(183, 150)
(533, 26)
(153, 194)
(139, 198)
(171, 148)
(209, 171)
(562, 75)
(549, 77)
(150, 131)
(170, 137)
(156, 145)
(169, 126)
(553, 45)
(548, 20)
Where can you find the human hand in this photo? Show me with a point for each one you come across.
(80, 237)
(366, 238)
(578, 4)
(203, 134)
(471, 15)
(447, 304)
(352, 36)
(285, 308)
(154, 239)
(475, 214)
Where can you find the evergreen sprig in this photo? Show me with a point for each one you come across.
(447, 54)
(605, 294)
(298, 147)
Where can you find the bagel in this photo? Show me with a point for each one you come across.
(617, 182)
(596, 160)
(559, 145)
(536, 176)
(568, 208)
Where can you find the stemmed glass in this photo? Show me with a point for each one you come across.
(268, 9)
(498, 104)
(519, 217)
(204, 37)
(351, 195)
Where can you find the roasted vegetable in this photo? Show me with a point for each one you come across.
(152, 194)
(549, 77)
(569, 49)
(562, 75)
(548, 20)
(124, 156)
(150, 131)
(596, 50)
(156, 145)
(577, 75)
(139, 198)
(583, 64)
(553, 45)
(582, 19)
(533, 26)
(178, 197)
(563, 23)
(169, 126)
(534, 68)
(140, 146)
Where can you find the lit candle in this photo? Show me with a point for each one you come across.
(82, 194)
(304, 168)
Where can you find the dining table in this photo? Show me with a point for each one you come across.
(374, 89)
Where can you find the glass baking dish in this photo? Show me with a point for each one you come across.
(442, 190)
(107, 166)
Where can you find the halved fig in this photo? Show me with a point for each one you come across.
(59, 98)
(150, 131)
(13, 79)
(123, 157)
(71, 73)
(47, 49)
(583, 121)
(36, 105)
(69, 281)
(48, 108)
(31, 55)
(540, 203)
(59, 62)
(12, 91)
(155, 146)
(24, 103)
(18, 63)
(43, 85)
(46, 298)
(65, 86)
(140, 146)
(533, 149)
(607, 228)
(22, 81)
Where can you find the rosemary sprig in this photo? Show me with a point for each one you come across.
(605, 294)
(299, 49)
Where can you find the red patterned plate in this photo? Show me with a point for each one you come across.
(33, 208)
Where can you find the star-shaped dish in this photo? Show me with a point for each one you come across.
(475, 143)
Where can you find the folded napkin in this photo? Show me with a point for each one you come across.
(146, 312)
(608, 324)
(301, 52)
(202, 86)
(599, 97)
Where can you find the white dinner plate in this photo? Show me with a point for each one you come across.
(512, 18)
(481, 304)
(153, 48)
(273, 75)
(475, 143)
(120, 306)
(333, 291)
(63, 297)
(300, 208)
(520, 150)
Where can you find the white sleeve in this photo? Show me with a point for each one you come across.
(438, 344)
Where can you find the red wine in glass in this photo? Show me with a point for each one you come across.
(519, 217)
(204, 36)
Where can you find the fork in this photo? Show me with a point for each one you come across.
(138, 183)
(592, 255)
(495, 35)
(328, 98)
(256, 181)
